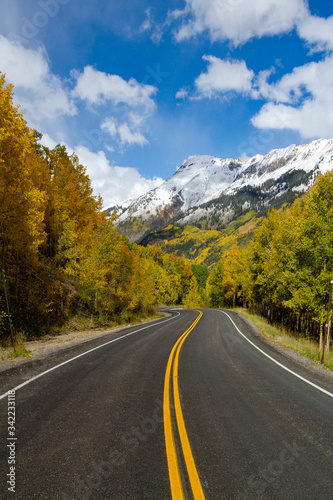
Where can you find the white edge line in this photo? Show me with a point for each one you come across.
(279, 364)
(82, 354)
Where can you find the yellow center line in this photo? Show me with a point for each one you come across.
(175, 481)
(173, 465)
(189, 460)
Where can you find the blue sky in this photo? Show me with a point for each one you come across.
(136, 87)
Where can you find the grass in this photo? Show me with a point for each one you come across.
(7, 351)
(306, 347)
(77, 323)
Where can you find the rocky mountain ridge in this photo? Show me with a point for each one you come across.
(215, 191)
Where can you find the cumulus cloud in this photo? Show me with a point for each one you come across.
(97, 87)
(128, 136)
(124, 133)
(317, 31)
(313, 119)
(314, 78)
(301, 101)
(41, 93)
(45, 97)
(115, 184)
(136, 101)
(224, 76)
(238, 20)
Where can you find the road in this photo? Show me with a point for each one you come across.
(191, 406)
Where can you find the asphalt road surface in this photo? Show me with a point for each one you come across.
(191, 406)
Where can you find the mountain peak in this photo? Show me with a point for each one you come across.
(202, 179)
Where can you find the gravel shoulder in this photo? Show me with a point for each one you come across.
(50, 344)
(295, 356)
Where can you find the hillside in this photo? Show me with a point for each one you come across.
(222, 200)
(203, 245)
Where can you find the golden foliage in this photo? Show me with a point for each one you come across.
(59, 249)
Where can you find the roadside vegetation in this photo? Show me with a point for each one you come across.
(64, 262)
(66, 266)
(286, 270)
(280, 335)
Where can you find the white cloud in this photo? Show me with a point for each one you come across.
(97, 87)
(181, 94)
(115, 184)
(38, 91)
(239, 20)
(123, 133)
(110, 126)
(312, 120)
(224, 76)
(155, 28)
(317, 31)
(102, 89)
(314, 78)
(45, 97)
(301, 101)
(147, 23)
(48, 141)
(128, 136)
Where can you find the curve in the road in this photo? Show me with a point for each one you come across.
(2, 396)
(177, 489)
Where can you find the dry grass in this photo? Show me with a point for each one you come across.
(306, 347)
(76, 327)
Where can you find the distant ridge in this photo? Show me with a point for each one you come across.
(217, 191)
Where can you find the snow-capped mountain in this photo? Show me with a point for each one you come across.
(206, 185)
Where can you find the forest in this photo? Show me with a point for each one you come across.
(286, 270)
(62, 257)
(60, 252)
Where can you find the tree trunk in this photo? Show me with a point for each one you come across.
(328, 335)
(321, 336)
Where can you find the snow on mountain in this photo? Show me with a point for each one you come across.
(317, 155)
(120, 207)
(202, 179)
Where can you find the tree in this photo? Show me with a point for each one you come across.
(201, 273)
(214, 286)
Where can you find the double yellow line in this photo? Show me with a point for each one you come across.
(177, 490)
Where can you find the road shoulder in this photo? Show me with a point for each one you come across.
(51, 345)
(290, 354)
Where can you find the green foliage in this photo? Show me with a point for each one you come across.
(287, 268)
(202, 246)
(60, 251)
(201, 273)
(306, 347)
(215, 291)
(193, 298)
